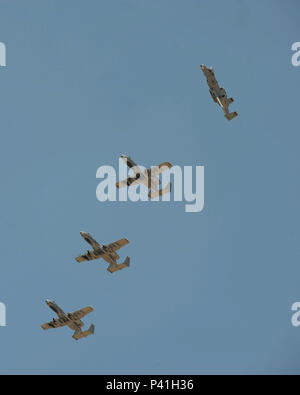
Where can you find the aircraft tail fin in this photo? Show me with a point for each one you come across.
(160, 192)
(120, 266)
(80, 334)
(127, 261)
(231, 115)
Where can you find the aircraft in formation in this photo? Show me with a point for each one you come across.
(106, 252)
(218, 94)
(148, 177)
(72, 320)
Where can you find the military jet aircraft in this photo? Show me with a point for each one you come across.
(149, 177)
(106, 252)
(218, 94)
(72, 320)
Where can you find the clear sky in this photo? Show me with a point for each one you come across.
(208, 292)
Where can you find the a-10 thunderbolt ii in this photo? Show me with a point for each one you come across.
(148, 177)
(106, 252)
(72, 320)
(218, 94)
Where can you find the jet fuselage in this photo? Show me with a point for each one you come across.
(102, 251)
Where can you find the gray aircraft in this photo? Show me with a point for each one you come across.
(106, 252)
(72, 320)
(148, 177)
(218, 94)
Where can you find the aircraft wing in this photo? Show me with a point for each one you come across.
(129, 181)
(118, 244)
(220, 102)
(213, 96)
(53, 324)
(156, 170)
(78, 314)
(89, 256)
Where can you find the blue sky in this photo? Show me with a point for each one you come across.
(209, 292)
